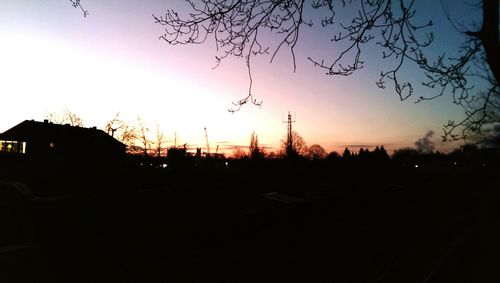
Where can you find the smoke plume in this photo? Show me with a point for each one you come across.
(425, 144)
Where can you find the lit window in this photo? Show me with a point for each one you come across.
(12, 146)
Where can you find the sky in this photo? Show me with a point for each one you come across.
(52, 58)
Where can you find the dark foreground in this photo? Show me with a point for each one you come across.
(256, 226)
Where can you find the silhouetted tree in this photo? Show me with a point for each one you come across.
(347, 154)
(160, 139)
(67, 117)
(333, 155)
(272, 155)
(255, 151)
(405, 155)
(143, 138)
(317, 152)
(121, 130)
(113, 125)
(380, 154)
(239, 28)
(239, 153)
(294, 148)
(363, 154)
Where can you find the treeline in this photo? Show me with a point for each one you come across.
(146, 146)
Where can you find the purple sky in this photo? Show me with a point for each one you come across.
(112, 61)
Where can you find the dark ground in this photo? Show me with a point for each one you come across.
(220, 225)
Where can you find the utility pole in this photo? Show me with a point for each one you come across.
(289, 136)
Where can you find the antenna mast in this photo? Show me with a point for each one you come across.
(289, 136)
(206, 140)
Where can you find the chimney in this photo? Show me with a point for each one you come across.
(46, 121)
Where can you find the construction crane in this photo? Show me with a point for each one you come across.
(206, 140)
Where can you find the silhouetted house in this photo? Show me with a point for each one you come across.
(64, 144)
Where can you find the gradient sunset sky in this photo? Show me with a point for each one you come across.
(53, 58)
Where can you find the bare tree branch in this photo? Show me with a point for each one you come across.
(77, 4)
(159, 141)
(240, 27)
(121, 130)
(67, 117)
(143, 136)
(236, 27)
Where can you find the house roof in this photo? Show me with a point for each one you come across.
(30, 130)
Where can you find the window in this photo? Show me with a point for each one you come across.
(12, 146)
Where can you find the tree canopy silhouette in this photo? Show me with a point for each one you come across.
(122, 130)
(239, 28)
(294, 146)
(254, 150)
(317, 152)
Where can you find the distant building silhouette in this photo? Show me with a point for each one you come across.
(64, 144)
(177, 156)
